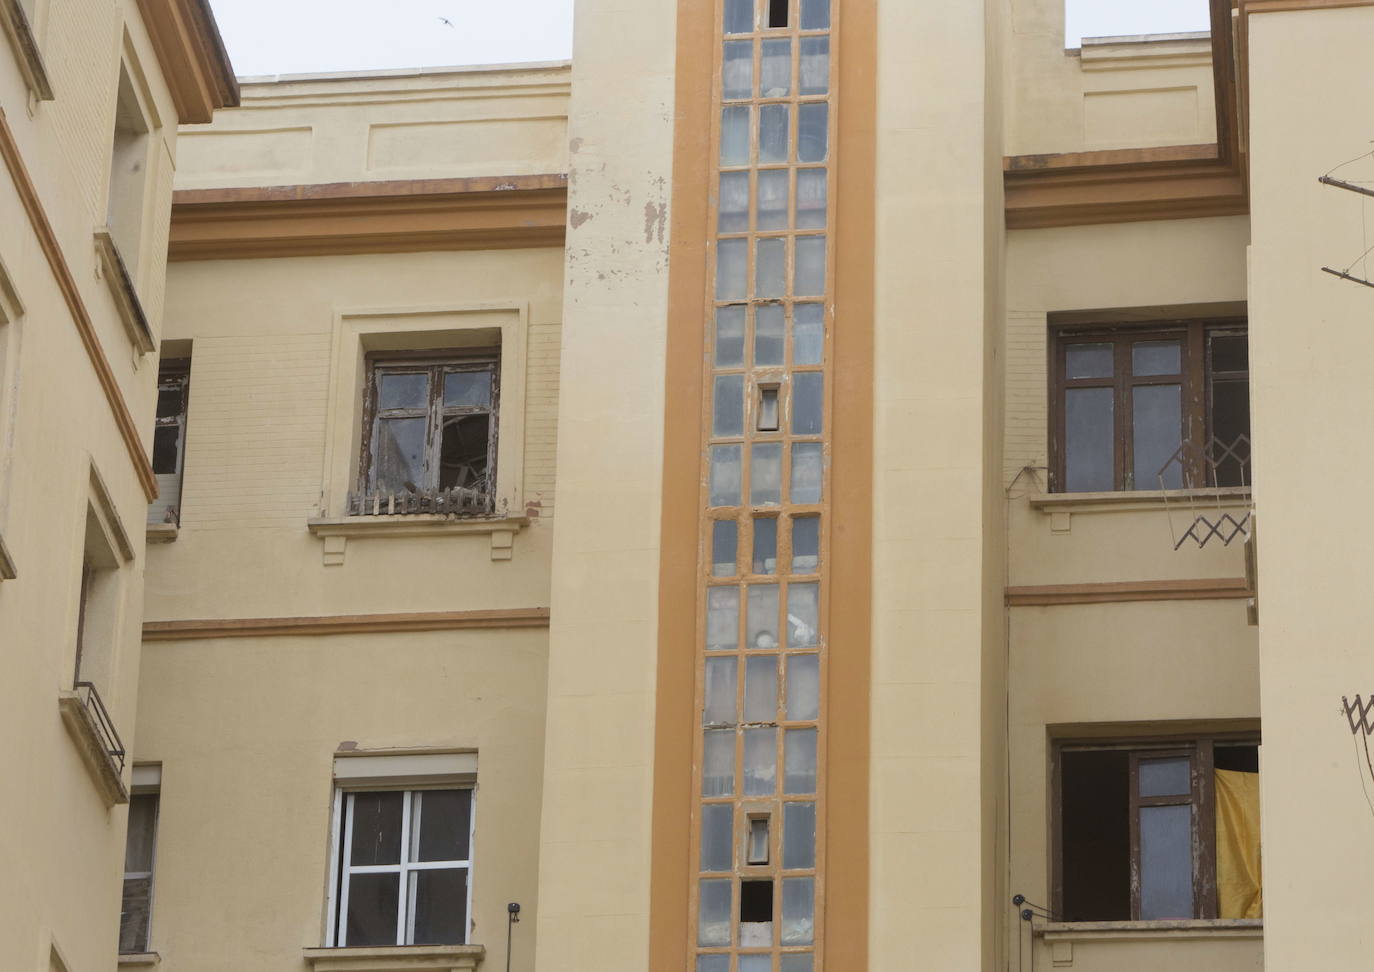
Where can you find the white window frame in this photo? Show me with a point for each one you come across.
(342, 869)
(147, 781)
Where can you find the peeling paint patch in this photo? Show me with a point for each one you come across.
(655, 217)
(533, 508)
(576, 217)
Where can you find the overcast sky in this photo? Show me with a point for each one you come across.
(296, 36)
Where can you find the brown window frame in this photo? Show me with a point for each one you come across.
(436, 364)
(1200, 749)
(1194, 375)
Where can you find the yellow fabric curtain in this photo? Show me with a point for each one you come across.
(1240, 893)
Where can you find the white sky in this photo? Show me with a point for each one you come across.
(1111, 18)
(298, 36)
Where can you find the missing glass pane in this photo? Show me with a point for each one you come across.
(756, 901)
(777, 13)
(463, 453)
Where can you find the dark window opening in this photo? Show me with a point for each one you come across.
(755, 901)
(777, 13)
(1096, 835)
(169, 439)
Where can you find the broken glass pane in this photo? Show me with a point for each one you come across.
(803, 615)
(813, 133)
(722, 618)
(772, 212)
(806, 544)
(403, 391)
(768, 335)
(815, 65)
(728, 408)
(470, 389)
(718, 763)
(799, 836)
(737, 77)
(798, 911)
(810, 276)
(799, 761)
(713, 911)
(765, 473)
(770, 268)
(717, 836)
(726, 475)
(811, 198)
(765, 544)
(730, 336)
(732, 269)
(806, 472)
(721, 692)
(439, 898)
(775, 69)
(376, 824)
(724, 548)
(760, 762)
(808, 403)
(464, 451)
(763, 617)
(773, 133)
(808, 333)
(1089, 439)
(373, 899)
(734, 135)
(734, 202)
(761, 689)
(803, 687)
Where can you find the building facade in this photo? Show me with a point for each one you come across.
(778, 493)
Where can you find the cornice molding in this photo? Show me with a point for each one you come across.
(194, 63)
(501, 212)
(1118, 592)
(344, 624)
(71, 294)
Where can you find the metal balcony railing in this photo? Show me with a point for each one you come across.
(457, 501)
(109, 736)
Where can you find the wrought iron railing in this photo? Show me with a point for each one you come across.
(457, 501)
(109, 736)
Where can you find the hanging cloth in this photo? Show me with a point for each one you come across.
(1240, 893)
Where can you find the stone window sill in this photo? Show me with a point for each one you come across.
(397, 958)
(82, 728)
(139, 960)
(336, 531)
(162, 532)
(20, 33)
(1148, 931)
(8, 570)
(120, 282)
(1130, 500)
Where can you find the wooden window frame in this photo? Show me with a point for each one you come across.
(1194, 375)
(1200, 749)
(436, 364)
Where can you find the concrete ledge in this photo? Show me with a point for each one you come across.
(1144, 931)
(82, 728)
(139, 960)
(20, 33)
(120, 282)
(161, 532)
(336, 531)
(1131, 500)
(398, 958)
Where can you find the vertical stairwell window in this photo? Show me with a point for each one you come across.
(169, 440)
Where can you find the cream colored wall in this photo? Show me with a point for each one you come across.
(62, 849)
(432, 123)
(598, 770)
(1311, 342)
(1147, 667)
(1115, 93)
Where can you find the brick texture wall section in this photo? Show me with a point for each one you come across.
(1027, 428)
(541, 416)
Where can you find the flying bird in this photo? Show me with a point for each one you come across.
(446, 22)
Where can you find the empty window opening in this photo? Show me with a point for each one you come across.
(755, 901)
(128, 172)
(169, 439)
(1097, 836)
(768, 420)
(777, 13)
(758, 840)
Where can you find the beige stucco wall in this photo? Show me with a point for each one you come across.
(1310, 346)
(431, 123)
(62, 849)
(1114, 93)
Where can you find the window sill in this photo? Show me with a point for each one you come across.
(336, 531)
(139, 960)
(8, 570)
(121, 284)
(20, 34)
(1149, 931)
(1124, 501)
(81, 726)
(396, 958)
(162, 532)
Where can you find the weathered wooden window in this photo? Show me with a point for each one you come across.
(1137, 831)
(169, 439)
(404, 868)
(1161, 406)
(135, 916)
(430, 442)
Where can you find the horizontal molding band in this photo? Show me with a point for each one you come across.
(490, 212)
(76, 307)
(1205, 589)
(343, 624)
